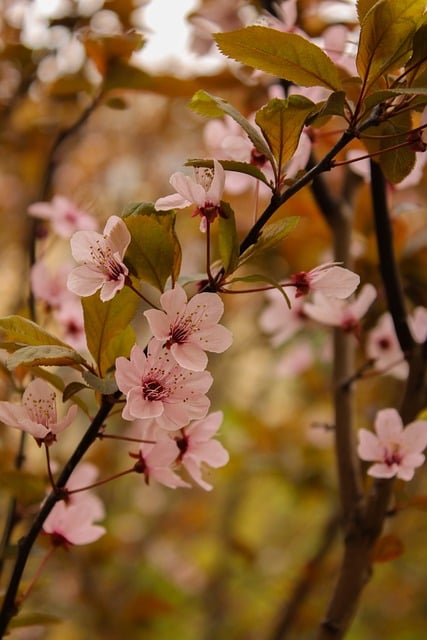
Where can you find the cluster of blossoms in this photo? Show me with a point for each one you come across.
(165, 383)
(50, 287)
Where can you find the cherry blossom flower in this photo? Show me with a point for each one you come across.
(157, 387)
(341, 313)
(102, 260)
(189, 329)
(197, 447)
(69, 317)
(47, 286)
(205, 191)
(156, 460)
(65, 217)
(73, 522)
(395, 450)
(383, 347)
(37, 414)
(280, 321)
(330, 279)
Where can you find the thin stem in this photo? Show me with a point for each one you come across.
(10, 606)
(99, 483)
(139, 294)
(36, 576)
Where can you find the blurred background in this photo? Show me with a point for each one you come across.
(255, 558)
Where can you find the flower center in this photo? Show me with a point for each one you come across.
(102, 255)
(393, 456)
(301, 283)
(153, 390)
(42, 410)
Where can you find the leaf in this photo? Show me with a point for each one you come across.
(207, 105)
(232, 165)
(228, 241)
(154, 253)
(72, 389)
(107, 325)
(120, 74)
(281, 122)
(386, 548)
(285, 55)
(270, 236)
(396, 163)
(333, 106)
(45, 355)
(19, 330)
(106, 386)
(102, 49)
(386, 36)
(31, 619)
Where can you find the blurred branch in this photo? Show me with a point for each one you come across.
(307, 579)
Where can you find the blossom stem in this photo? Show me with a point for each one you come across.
(49, 468)
(103, 436)
(208, 255)
(10, 606)
(36, 576)
(99, 483)
(129, 284)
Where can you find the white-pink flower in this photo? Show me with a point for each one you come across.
(383, 347)
(101, 257)
(37, 414)
(330, 279)
(189, 329)
(156, 461)
(395, 450)
(65, 216)
(197, 447)
(341, 313)
(280, 321)
(73, 522)
(157, 387)
(51, 287)
(205, 191)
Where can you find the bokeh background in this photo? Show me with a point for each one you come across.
(261, 550)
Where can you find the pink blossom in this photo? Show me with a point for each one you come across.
(395, 450)
(69, 317)
(341, 313)
(197, 447)
(330, 279)
(280, 322)
(157, 387)
(65, 217)
(102, 260)
(37, 413)
(189, 329)
(383, 347)
(156, 460)
(205, 191)
(73, 522)
(47, 286)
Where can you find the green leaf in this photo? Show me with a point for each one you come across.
(207, 105)
(333, 106)
(396, 163)
(19, 330)
(46, 355)
(281, 122)
(228, 241)
(107, 325)
(232, 165)
(31, 619)
(270, 236)
(285, 55)
(154, 253)
(386, 37)
(106, 386)
(72, 389)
